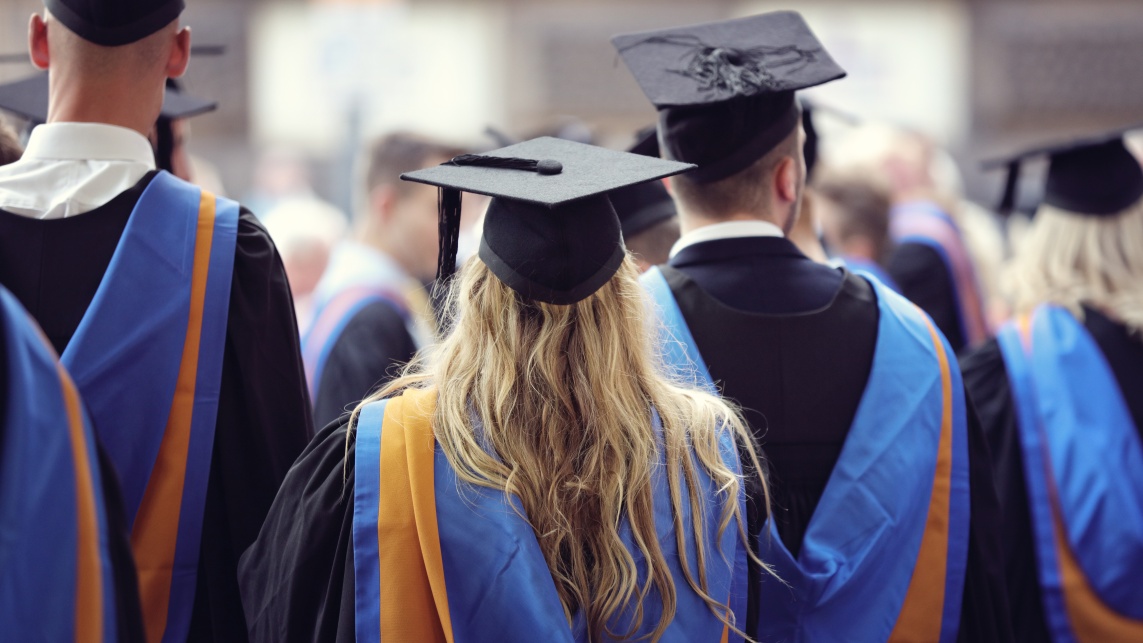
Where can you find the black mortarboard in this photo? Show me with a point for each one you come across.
(112, 23)
(725, 90)
(646, 142)
(1095, 176)
(28, 99)
(551, 232)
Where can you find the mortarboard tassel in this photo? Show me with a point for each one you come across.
(1008, 200)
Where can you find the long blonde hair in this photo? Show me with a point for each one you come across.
(1070, 259)
(564, 397)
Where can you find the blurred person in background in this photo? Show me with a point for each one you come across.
(305, 230)
(371, 307)
(855, 222)
(169, 307)
(647, 214)
(851, 390)
(1060, 395)
(10, 148)
(931, 263)
(535, 476)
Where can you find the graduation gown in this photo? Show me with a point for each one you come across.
(263, 419)
(67, 555)
(986, 378)
(932, 268)
(456, 560)
(368, 351)
(363, 329)
(792, 342)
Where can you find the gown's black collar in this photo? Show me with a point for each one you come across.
(721, 250)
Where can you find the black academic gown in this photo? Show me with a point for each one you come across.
(792, 342)
(986, 379)
(370, 351)
(54, 268)
(924, 279)
(297, 588)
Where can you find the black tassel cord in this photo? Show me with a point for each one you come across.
(449, 203)
(732, 71)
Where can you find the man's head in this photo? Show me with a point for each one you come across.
(395, 216)
(855, 216)
(769, 189)
(109, 59)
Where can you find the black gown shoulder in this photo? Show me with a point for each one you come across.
(55, 266)
(297, 577)
(925, 280)
(370, 351)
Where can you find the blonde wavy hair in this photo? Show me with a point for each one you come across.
(564, 397)
(1069, 259)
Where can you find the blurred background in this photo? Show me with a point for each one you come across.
(302, 84)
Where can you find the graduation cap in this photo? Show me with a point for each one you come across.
(113, 23)
(646, 142)
(1096, 176)
(725, 90)
(28, 99)
(551, 232)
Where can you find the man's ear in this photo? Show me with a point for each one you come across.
(38, 49)
(382, 200)
(180, 54)
(786, 180)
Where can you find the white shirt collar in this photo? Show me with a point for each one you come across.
(88, 142)
(726, 230)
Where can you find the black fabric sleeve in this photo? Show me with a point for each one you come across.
(924, 279)
(986, 382)
(263, 424)
(297, 578)
(128, 614)
(369, 352)
(985, 613)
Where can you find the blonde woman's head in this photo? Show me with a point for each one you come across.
(1071, 260)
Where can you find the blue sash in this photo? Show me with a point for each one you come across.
(871, 269)
(1083, 467)
(885, 552)
(56, 580)
(147, 358)
(487, 579)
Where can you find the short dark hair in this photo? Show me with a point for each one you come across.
(862, 208)
(746, 191)
(10, 148)
(390, 156)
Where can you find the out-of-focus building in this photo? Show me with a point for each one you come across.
(319, 76)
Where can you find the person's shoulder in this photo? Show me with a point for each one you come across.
(915, 258)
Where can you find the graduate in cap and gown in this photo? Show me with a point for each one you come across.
(66, 572)
(168, 305)
(882, 498)
(1060, 395)
(533, 477)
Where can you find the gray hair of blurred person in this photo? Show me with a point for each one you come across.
(861, 212)
(10, 148)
